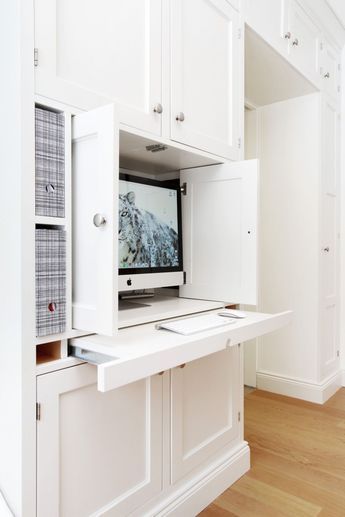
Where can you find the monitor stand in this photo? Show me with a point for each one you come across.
(124, 305)
(129, 300)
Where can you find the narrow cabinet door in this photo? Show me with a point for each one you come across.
(95, 159)
(90, 54)
(205, 405)
(205, 75)
(97, 453)
(220, 232)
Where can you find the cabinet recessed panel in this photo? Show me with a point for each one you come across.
(205, 75)
(90, 54)
(219, 232)
(97, 452)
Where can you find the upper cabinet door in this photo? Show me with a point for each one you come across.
(95, 220)
(330, 69)
(205, 75)
(220, 232)
(304, 42)
(90, 54)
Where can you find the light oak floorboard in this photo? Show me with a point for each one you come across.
(297, 460)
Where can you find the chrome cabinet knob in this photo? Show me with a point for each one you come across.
(326, 250)
(180, 116)
(158, 108)
(326, 75)
(99, 220)
(50, 188)
(295, 42)
(287, 35)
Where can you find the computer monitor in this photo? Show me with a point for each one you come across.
(150, 233)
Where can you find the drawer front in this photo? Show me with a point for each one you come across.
(50, 281)
(50, 163)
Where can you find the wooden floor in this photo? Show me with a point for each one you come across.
(297, 456)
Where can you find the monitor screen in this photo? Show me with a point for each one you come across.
(149, 226)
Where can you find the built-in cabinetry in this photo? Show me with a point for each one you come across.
(290, 27)
(155, 59)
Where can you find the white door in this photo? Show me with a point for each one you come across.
(90, 54)
(95, 172)
(304, 42)
(205, 75)
(97, 452)
(220, 232)
(205, 405)
(329, 272)
(330, 70)
(268, 18)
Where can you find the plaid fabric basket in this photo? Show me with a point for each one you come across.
(50, 281)
(50, 163)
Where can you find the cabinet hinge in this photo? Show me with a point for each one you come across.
(338, 353)
(239, 416)
(239, 33)
(339, 67)
(35, 56)
(184, 277)
(321, 45)
(338, 88)
(183, 189)
(38, 411)
(239, 142)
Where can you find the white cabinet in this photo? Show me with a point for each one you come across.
(269, 19)
(125, 52)
(329, 240)
(97, 452)
(91, 54)
(303, 42)
(205, 75)
(330, 69)
(205, 410)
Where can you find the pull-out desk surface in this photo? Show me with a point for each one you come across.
(143, 350)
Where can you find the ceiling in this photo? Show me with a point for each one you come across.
(338, 6)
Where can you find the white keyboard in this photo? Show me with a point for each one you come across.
(195, 324)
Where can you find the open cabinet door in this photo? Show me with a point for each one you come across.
(95, 171)
(220, 208)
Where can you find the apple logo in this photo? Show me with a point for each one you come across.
(129, 282)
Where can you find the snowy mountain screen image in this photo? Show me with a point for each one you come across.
(148, 227)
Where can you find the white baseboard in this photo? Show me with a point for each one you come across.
(193, 496)
(343, 378)
(311, 392)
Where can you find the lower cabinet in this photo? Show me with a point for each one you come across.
(205, 406)
(102, 453)
(97, 452)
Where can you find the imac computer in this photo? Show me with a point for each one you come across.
(150, 238)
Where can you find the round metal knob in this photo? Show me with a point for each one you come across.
(327, 75)
(180, 116)
(99, 220)
(287, 35)
(326, 249)
(295, 42)
(158, 108)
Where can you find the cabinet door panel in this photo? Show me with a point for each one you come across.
(91, 54)
(200, 427)
(205, 75)
(97, 453)
(269, 19)
(94, 186)
(304, 45)
(329, 265)
(219, 232)
(330, 70)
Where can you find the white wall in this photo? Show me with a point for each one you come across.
(17, 352)
(289, 169)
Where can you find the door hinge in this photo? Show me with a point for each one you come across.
(239, 142)
(35, 56)
(239, 33)
(183, 189)
(38, 411)
(239, 416)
